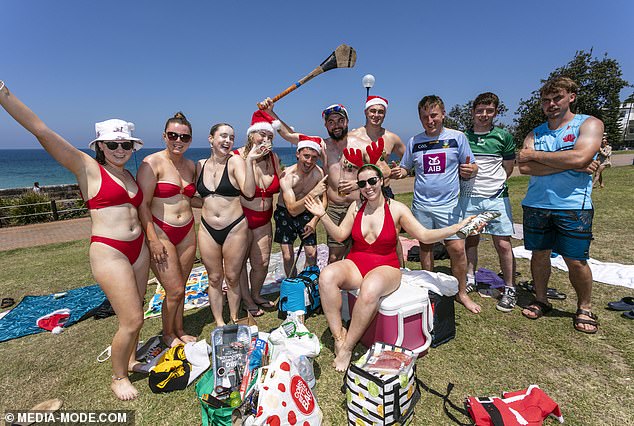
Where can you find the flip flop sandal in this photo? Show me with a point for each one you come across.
(538, 308)
(7, 302)
(255, 312)
(592, 321)
(269, 305)
(625, 304)
(629, 314)
(471, 287)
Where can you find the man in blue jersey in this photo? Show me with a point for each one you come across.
(494, 150)
(558, 211)
(439, 156)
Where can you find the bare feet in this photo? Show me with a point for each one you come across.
(464, 299)
(342, 359)
(186, 338)
(340, 339)
(123, 389)
(171, 341)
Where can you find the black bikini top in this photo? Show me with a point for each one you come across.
(225, 188)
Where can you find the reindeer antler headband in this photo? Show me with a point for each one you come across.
(354, 156)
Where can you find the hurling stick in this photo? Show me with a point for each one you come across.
(344, 56)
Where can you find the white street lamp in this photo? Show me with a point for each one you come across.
(368, 82)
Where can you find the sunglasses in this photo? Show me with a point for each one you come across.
(127, 145)
(173, 136)
(372, 181)
(336, 108)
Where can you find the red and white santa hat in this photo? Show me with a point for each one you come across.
(54, 321)
(313, 142)
(375, 100)
(261, 120)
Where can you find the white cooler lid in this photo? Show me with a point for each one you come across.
(405, 296)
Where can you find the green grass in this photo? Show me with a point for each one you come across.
(589, 376)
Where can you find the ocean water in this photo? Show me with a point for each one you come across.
(19, 168)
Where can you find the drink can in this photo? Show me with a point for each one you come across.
(477, 224)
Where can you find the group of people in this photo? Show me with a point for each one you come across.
(148, 222)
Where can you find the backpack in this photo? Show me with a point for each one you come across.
(300, 293)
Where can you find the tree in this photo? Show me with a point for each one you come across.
(600, 84)
(460, 116)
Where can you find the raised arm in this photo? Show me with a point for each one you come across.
(338, 233)
(243, 169)
(60, 149)
(285, 130)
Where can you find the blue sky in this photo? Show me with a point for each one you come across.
(78, 62)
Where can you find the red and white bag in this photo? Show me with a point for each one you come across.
(285, 398)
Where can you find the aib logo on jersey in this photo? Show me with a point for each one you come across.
(434, 163)
(569, 138)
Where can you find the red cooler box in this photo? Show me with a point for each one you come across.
(405, 318)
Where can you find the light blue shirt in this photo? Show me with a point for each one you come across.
(567, 190)
(436, 161)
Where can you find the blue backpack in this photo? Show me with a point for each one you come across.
(300, 293)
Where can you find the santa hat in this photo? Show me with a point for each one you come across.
(313, 142)
(54, 321)
(375, 100)
(261, 120)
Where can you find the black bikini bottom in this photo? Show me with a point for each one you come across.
(220, 235)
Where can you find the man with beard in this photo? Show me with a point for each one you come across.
(558, 210)
(291, 218)
(342, 187)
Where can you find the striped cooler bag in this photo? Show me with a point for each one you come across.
(376, 398)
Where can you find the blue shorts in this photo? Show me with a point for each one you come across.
(439, 217)
(501, 226)
(567, 232)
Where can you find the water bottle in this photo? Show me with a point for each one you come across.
(305, 367)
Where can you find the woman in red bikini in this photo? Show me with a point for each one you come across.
(258, 211)
(223, 239)
(167, 181)
(118, 255)
(372, 264)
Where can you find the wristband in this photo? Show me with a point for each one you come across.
(1, 84)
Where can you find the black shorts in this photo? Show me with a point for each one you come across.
(288, 228)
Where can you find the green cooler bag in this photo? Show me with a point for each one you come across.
(212, 415)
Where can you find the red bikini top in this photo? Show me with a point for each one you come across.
(272, 189)
(112, 194)
(169, 189)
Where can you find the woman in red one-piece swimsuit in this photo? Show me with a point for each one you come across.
(167, 180)
(372, 264)
(118, 255)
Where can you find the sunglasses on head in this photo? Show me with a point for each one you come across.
(173, 136)
(127, 145)
(372, 181)
(336, 108)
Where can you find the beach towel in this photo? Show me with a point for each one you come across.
(604, 272)
(197, 283)
(195, 293)
(22, 320)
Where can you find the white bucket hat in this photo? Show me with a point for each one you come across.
(115, 130)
